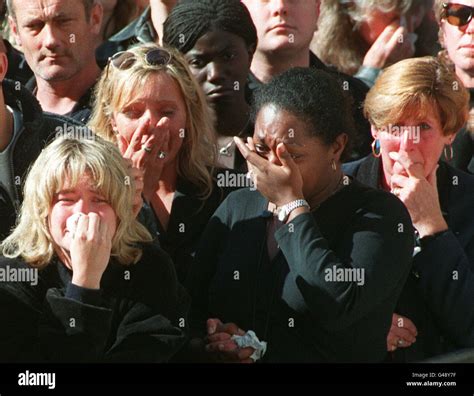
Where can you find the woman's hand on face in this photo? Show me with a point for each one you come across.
(419, 194)
(280, 184)
(91, 245)
(137, 175)
(144, 151)
(402, 333)
(221, 346)
(391, 46)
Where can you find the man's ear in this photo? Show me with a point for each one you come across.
(3, 65)
(95, 20)
(14, 29)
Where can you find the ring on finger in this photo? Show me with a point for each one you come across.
(146, 149)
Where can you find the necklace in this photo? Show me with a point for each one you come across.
(225, 150)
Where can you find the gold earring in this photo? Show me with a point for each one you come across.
(333, 165)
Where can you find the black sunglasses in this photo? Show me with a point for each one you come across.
(457, 14)
(124, 60)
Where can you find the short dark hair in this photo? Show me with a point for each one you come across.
(87, 7)
(314, 96)
(191, 19)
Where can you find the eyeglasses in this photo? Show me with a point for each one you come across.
(457, 14)
(124, 60)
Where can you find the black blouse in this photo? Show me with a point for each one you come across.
(298, 302)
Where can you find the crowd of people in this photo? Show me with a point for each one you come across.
(270, 181)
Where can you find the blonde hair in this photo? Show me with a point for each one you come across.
(337, 41)
(197, 155)
(412, 87)
(67, 160)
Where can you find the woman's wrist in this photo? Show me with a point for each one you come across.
(432, 228)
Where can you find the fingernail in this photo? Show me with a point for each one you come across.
(394, 155)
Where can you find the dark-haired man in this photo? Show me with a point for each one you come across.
(58, 38)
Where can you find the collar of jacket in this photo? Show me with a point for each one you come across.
(81, 110)
(141, 29)
(314, 61)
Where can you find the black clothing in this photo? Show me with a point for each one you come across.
(81, 111)
(293, 302)
(141, 30)
(18, 69)
(437, 301)
(356, 89)
(32, 133)
(134, 317)
(188, 218)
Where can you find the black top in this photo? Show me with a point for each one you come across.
(297, 302)
(134, 317)
(81, 111)
(357, 91)
(188, 218)
(439, 293)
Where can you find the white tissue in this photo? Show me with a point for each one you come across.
(71, 222)
(250, 339)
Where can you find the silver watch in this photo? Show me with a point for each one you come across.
(285, 210)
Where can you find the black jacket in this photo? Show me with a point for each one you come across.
(81, 111)
(439, 293)
(188, 218)
(134, 317)
(293, 302)
(141, 30)
(36, 130)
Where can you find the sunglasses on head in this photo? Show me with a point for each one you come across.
(124, 60)
(457, 14)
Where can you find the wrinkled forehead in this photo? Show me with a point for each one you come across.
(275, 124)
